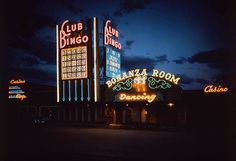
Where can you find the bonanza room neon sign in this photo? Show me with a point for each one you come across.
(136, 85)
(142, 74)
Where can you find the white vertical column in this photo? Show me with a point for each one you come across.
(95, 60)
(57, 57)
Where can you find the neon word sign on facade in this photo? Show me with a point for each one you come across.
(143, 74)
(138, 85)
(137, 97)
(71, 34)
(215, 89)
(15, 91)
(111, 35)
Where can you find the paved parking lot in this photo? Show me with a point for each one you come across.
(101, 144)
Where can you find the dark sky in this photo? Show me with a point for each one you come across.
(192, 39)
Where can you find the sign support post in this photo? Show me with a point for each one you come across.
(96, 61)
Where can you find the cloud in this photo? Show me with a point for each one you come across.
(22, 20)
(128, 6)
(31, 32)
(220, 58)
(142, 62)
(226, 78)
(223, 59)
(181, 60)
(72, 6)
(188, 80)
(30, 67)
(161, 59)
(128, 44)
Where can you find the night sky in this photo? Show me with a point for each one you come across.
(192, 39)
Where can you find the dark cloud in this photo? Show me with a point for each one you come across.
(72, 6)
(223, 60)
(137, 62)
(128, 6)
(227, 78)
(219, 58)
(107, 16)
(128, 44)
(43, 49)
(28, 66)
(22, 20)
(188, 80)
(161, 59)
(181, 60)
(29, 49)
(201, 81)
(142, 62)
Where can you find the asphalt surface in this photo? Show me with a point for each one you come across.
(101, 144)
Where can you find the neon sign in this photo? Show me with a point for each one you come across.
(14, 87)
(113, 61)
(19, 81)
(139, 83)
(67, 36)
(18, 96)
(15, 91)
(74, 63)
(138, 97)
(215, 89)
(127, 85)
(153, 83)
(110, 32)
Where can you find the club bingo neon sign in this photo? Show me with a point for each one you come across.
(110, 32)
(68, 35)
(215, 89)
(142, 73)
(15, 91)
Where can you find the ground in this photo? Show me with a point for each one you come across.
(103, 144)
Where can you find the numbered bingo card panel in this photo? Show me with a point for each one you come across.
(74, 64)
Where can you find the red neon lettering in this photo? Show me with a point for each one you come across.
(108, 32)
(66, 32)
